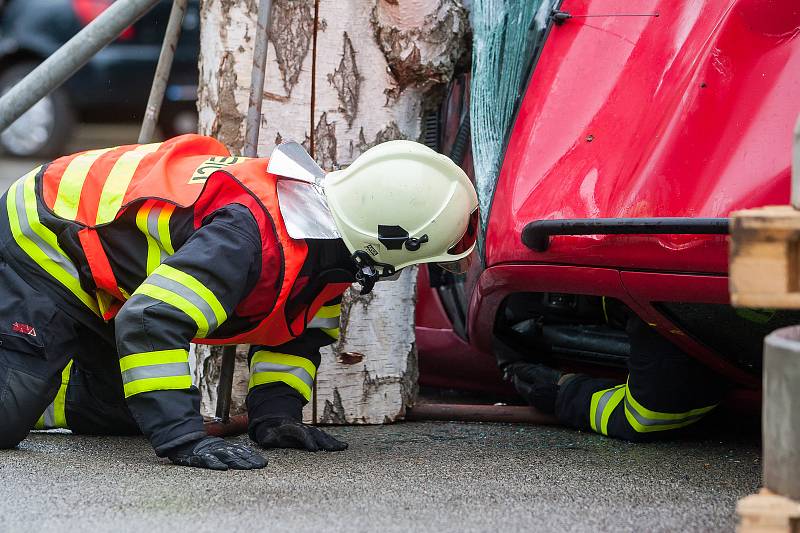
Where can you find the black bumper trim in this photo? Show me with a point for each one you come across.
(536, 235)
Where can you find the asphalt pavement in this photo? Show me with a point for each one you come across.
(409, 476)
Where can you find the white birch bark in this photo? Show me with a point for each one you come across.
(376, 65)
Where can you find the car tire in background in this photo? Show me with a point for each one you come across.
(43, 130)
(178, 118)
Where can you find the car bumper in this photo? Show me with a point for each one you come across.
(643, 292)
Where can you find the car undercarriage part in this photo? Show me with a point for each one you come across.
(737, 334)
(556, 328)
(536, 235)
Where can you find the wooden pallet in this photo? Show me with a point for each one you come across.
(765, 257)
(767, 512)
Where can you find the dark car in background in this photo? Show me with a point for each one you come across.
(112, 87)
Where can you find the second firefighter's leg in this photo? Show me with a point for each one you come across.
(666, 390)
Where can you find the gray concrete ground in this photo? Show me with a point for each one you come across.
(412, 476)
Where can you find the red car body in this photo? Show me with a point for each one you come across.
(687, 114)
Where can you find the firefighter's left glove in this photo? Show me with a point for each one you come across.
(285, 432)
(217, 454)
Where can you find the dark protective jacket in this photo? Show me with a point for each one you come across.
(166, 243)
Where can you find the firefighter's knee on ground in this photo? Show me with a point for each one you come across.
(13, 426)
(10, 437)
(23, 398)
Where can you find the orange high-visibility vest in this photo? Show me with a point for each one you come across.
(94, 188)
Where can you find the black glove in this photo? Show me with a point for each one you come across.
(217, 454)
(538, 384)
(286, 432)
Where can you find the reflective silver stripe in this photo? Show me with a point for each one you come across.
(166, 370)
(300, 373)
(50, 416)
(601, 405)
(185, 292)
(326, 323)
(643, 420)
(27, 230)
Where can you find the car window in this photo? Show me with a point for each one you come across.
(506, 42)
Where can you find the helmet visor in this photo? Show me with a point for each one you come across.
(467, 240)
(460, 266)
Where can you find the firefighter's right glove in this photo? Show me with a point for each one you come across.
(217, 454)
(285, 432)
(538, 384)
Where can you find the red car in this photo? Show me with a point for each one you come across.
(635, 139)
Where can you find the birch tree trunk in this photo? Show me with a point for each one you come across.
(342, 76)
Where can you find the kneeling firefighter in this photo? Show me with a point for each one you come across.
(112, 261)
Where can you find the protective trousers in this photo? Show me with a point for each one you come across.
(666, 390)
(53, 371)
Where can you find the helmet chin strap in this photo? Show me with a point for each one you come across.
(366, 273)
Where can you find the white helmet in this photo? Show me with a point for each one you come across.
(401, 203)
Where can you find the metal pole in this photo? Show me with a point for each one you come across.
(253, 122)
(225, 385)
(479, 413)
(252, 125)
(70, 57)
(781, 407)
(161, 76)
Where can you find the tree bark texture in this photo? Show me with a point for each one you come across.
(342, 76)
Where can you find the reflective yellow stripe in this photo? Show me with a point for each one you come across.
(179, 302)
(329, 311)
(274, 377)
(286, 376)
(593, 409)
(155, 227)
(612, 404)
(645, 420)
(332, 332)
(655, 415)
(152, 384)
(118, 179)
(56, 411)
(153, 358)
(284, 359)
(163, 228)
(157, 370)
(191, 283)
(602, 406)
(153, 249)
(26, 187)
(69, 189)
(61, 398)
